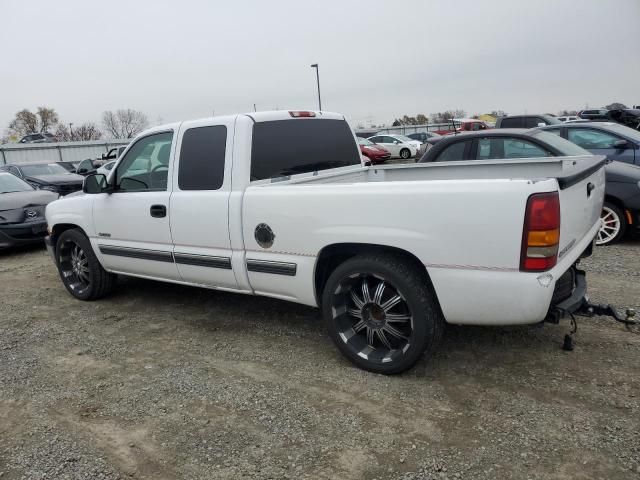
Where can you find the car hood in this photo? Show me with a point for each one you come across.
(622, 172)
(57, 178)
(9, 201)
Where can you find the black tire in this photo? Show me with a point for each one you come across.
(614, 225)
(405, 153)
(344, 318)
(80, 269)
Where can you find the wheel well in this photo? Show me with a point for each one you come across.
(59, 228)
(618, 203)
(332, 256)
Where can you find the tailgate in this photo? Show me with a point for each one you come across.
(581, 197)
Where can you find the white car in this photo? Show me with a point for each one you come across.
(279, 204)
(106, 168)
(398, 145)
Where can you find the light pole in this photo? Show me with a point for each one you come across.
(315, 65)
(70, 132)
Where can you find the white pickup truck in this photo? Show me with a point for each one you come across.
(279, 204)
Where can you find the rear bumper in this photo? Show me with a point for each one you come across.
(28, 233)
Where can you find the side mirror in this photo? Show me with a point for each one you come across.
(104, 155)
(95, 183)
(621, 144)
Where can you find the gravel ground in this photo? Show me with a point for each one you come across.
(164, 382)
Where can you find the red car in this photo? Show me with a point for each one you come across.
(375, 153)
(464, 125)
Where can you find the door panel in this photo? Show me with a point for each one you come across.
(133, 235)
(200, 203)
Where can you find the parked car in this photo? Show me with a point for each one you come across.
(46, 176)
(629, 117)
(22, 219)
(278, 204)
(398, 146)
(113, 153)
(622, 191)
(622, 201)
(87, 166)
(423, 136)
(568, 118)
(69, 166)
(459, 125)
(106, 168)
(375, 153)
(44, 137)
(526, 121)
(594, 114)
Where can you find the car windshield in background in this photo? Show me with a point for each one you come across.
(364, 141)
(565, 146)
(42, 169)
(622, 130)
(402, 138)
(276, 147)
(10, 183)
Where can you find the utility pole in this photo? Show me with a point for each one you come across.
(70, 132)
(254, 108)
(315, 65)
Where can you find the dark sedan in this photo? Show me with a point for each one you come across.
(46, 176)
(621, 211)
(615, 141)
(22, 207)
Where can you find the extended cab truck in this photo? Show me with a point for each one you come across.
(278, 204)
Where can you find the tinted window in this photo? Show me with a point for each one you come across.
(453, 152)
(498, 148)
(591, 139)
(377, 139)
(287, 147)
(202, 158)
(146, 164)
(532, 122)
(511, 123)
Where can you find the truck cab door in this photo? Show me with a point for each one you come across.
(200, 203)
(132, 223)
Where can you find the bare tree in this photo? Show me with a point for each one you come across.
(86, 131)
(444, 117)
(48, 118)
(124, 123)
(615, 106)
(26, 122)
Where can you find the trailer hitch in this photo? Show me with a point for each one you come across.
(588, 309)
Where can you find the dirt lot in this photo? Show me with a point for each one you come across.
(165, 382)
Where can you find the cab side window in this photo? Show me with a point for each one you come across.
(202, 158)
(146, 164)
(591, 139)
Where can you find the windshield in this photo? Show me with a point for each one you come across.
(626, 131)
(43, 169)
(10, 183)
(564, 146)
(364, 141)
(402, 138)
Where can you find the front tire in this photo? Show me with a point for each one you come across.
(405, 153)
(381, 313)
(80, 269)
(613, 225)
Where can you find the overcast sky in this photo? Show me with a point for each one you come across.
(183, 59)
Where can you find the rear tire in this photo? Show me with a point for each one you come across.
(80, 269)
(405, 153)
(614, 224)
(381, 313)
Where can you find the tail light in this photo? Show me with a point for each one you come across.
(541, 233)
(300, 114)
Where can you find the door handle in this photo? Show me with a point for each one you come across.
(158, 211)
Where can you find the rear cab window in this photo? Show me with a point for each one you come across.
(282, 148)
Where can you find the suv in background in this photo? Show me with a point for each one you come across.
(526, 121)
(44, 137)
(595, 114)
